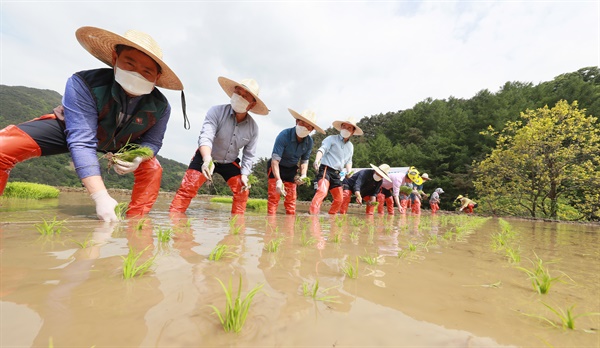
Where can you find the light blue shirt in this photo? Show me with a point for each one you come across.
(337, 154)
(226, 137)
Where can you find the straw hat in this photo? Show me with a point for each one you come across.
(309, 117)
(249, 85)
(425, 176)
(382, 170)
(459, 197)
(338, 125)
(101, 44)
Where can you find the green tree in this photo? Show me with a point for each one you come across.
(547, 157)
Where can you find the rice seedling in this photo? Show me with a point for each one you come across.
(432, 239)
(130, 267)
(354, 237)
(339, 220)
(121, 210)
(48, 228)
(499, 240)
(29, 190)
(233, 226)
(402, 253)
(513, 255)
(567, 319)
(337, 237)
(371, 260)
(220, 251)
(350, 270)
(236, 309)
(164, 235)
(412, 247)
(273, 245)
(306, 240)
(540, 276)
(128, 153)
(140, 224)
(356, 222)
(313, 291)
(257, 204)
(86, 243)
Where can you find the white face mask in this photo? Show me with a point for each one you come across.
(239, 104)
(132, 82)
(345, 133)
(376, 177)
(302, 131)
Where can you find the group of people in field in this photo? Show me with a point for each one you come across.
(105, 110)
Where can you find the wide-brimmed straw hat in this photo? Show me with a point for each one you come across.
(249, 85)
(101, 44)
(382, 170)
(309, 117)
(425, 176)
(338, 125)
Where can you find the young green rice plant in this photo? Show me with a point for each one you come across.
(337, 237)
(356, 222)
(412, 247)
(313, 291)
(257, 204)
(48, 228)
(402, 253)
(339, 220)
(499, 241)
(354, 236)
(306, 240)
(86, 243)
(130, 266)
(236, 309)
(29, 190)
(128, 153)
(567, 318)
(274, 244)
(140, 224)
(513, 255)
(371, 260)
(539, 276)
(234, 228)
(350, 270)
(121, 210)
(220, 251)
(305, 180)
(164, 235)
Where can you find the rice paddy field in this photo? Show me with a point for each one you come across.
(447, 280)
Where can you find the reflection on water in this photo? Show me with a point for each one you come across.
(442, 280)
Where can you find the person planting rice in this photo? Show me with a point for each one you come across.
(365, 183)
(104, 110)
(434, 200)
(390, 192)
(466, 204)
(292, 145)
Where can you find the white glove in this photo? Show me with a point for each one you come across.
(105, 206)
(280, 188)
(316, 165)
(245, 185)
(208, 167)
(300, 180)
(358, 197)
(124, 167)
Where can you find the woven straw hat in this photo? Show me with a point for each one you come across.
(338, 125)
(309, 117)
(382, 170)
(249, 85)
(101, 44)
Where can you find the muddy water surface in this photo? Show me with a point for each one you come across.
(437, 281)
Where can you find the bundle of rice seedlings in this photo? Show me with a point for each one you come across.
(128, 153)
(407, 190)
(29, 190)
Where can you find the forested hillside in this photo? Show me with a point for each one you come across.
(443, 137)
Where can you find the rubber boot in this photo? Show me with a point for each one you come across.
(320, 194)
(272, 197)
(240, 197)
(146, 185)
(404, 205)
(15, 146)
(346, 197)
(188, 189)
(381, 201)
(338, 199)
(290, 198)
(434, 207)
(470, 208)
(390, 205)
(370, 208)
(416, 207)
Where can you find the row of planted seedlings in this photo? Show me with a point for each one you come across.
(506, 240)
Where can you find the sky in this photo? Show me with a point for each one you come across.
(340, 59)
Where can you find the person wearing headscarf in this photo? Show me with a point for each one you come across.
(104, 110)
(227, 130)
(434, 200)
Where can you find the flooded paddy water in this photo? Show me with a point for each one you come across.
(438, 281)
